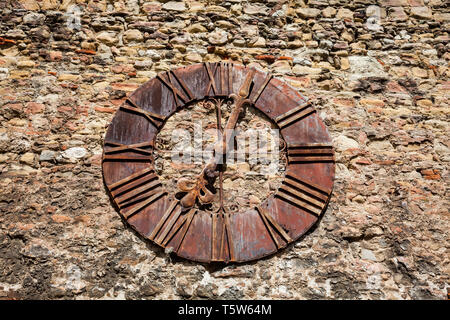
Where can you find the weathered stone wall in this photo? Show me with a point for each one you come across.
(377, 71)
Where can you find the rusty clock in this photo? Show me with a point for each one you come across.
(178, 222)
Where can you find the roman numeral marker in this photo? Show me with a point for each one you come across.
(262, 87)
(313, 152)
(221, 239)
(155, 119)
(272, 226)
(214, 256)
(143, 151)
(184, 222)
(136, 191)
(174, 224)
(229, 241)
(172, 212)
(230, 78)
(305, 195)
(212, 81)
(143, 204)
(294, 115)
(223, 66)
(177, 94)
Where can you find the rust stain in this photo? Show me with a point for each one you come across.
(266, 57)
(285, 58)
(5, 41)
(85, 51)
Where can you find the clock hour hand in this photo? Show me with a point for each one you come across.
(197, 189)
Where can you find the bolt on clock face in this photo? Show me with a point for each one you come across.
(218, 162)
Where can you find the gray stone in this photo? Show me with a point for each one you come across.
(218, 37)
(36, 251)
(363, 67)
(302, 61)
(154, 54)
(308, 12)
(368, 255)
(421, 12)
(384, 145)
(4, 72)
(47, 155)
(175, 6)
(16, 34)
(255, 9)
(74, 279)
(75, 153)
(143, 64)
(34, 18)
(343, 143)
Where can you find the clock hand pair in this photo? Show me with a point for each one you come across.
(198, 188)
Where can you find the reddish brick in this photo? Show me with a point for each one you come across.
(122, 68)
(14, 106)
(151, 7)
(385, 162)
(85, 219)
(25, 227)
(300, 82)
(431, 174)
(393, 86)
(396, 230)
(372, 102)
(105, 109)
(65, 109)
(124, 86)
(344, 102)
(69, 86)
(71, 126)
(118, 102)
(55, 55)
(34, 107)
(416, 3)
(84, 110)
(362, 160)
(51, 209)
(85, 59)
(96, 160)
(56, 122)
(376, 110)
(60, 218)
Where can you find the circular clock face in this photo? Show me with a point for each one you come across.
(199, 216)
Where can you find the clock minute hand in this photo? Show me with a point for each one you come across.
(240, 100)
(198, 189)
